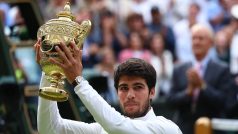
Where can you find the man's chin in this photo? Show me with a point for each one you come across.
(132, 114)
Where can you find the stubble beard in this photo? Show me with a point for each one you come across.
(138, 113)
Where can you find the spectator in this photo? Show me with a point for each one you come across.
(157, 26)
(106, 68)
(199, 88)
(52, 8)
(162, 60)
(7, 18)
(234, 46)
(135, 23)
(218, 14)
(183, 35)
(135, 49)
(233, 100)
(91, 45)
(110, 36)
(221, 49)
(142, 7)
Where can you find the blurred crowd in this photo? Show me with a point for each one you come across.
(159, 31)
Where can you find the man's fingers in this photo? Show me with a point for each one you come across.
(56, 62)
(66, 51)
(37, 53)
(37, 50)
(61, 54)
(76, 50)
(37, 43)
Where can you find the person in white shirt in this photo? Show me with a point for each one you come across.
(134, 81)
(234, 46)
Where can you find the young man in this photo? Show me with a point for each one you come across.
(134, 80)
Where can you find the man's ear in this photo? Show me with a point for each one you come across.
(152, 93)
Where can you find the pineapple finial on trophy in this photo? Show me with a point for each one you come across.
(66, 12)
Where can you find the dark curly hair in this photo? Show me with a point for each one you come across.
(136, 67)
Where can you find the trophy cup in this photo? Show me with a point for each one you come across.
(63, 29)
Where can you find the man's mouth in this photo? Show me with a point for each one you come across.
(130, 104)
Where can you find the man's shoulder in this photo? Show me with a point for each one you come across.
(168, 124)
(218, 63)
(163, 119)
(182, 66)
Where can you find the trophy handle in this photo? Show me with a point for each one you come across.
(85, 28)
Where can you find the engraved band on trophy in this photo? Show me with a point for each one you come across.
(63, 29)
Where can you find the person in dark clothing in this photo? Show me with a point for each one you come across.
(157, 26)
(199, 88)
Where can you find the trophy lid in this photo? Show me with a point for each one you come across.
(64, 27)
(66, 12)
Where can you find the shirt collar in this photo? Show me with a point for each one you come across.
(149, 115)
(204, 62)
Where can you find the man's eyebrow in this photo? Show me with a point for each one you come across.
(138, 84)
(122, 85)
(134, 84)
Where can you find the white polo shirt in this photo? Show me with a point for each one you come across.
(108, 120)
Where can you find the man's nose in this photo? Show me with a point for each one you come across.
(196, 40)
(131, 94)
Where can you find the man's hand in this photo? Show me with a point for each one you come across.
(71, 60)
(189, 90)
(194, 80)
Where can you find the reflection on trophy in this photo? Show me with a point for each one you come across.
(63, 29)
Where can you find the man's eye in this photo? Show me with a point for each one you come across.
(123, 88)
(138, 87)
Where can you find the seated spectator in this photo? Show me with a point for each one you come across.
(135, 23)
(221, 49)
(106, 68)
(90, 57)
(109, 35)
(234, 41)
(157, 26)
(162, 60)
(199, 88)
(183, 35)
(135, 49)
(218, 14)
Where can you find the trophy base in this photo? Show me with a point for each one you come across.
(54, 94)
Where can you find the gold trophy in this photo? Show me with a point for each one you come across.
(63, 29)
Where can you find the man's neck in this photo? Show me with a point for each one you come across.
(200, 58)
(141, 115)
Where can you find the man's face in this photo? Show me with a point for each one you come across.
(134, 96)
(202, 42)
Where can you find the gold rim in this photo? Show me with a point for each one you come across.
(53, 94)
